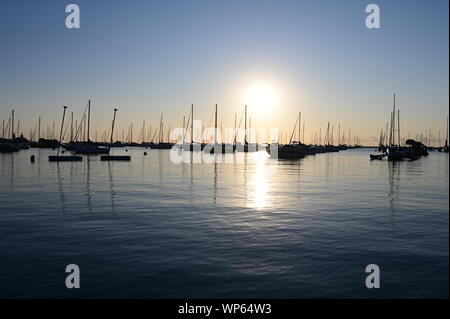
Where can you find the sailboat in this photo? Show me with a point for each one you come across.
(220, 147)
(62, 158)
(86, 147)
(294, 149)
(161, 144)
(191, 146)
(395, 152)
(247, 147)
(110, 157)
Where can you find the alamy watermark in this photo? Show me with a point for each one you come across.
(373, 19)
(73, 279)
(373, 279)
(73, 17)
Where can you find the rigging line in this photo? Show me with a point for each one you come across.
(293, 131)
(80, 126)
(187, 125)
(239, 125)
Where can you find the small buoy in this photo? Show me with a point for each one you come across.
(145, 153)
(32, 158)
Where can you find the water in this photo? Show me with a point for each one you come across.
(290, 229)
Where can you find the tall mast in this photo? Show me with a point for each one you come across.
(184, 122)
(84, 127)
(39, 128)
(112, 128)
(332, 134)
(235, 129)
(303, 139)
(339, 134)
(249, 129)
(71, 126)
(328, 134)
(245, 129)
(398, 126)
(89, 120)
(192, 124)
(299, 125)
(386, 133)
(60, 133)
(215, 129)
(161, 128)
(168, 135)
(393, 124)
(131, 133)
(12, 124)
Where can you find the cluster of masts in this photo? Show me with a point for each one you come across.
(79, 131)
(391, 136)
(393, 147)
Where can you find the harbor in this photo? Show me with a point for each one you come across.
(211, 159)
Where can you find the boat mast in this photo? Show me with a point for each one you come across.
(245, 128)
(398, 127)
(293, 131)
(184, 122)
(235, 130)
(84, 127)
(60, 133)
(192, 124)
(71, 126)
(303, 139)
(393, 124)
(89, 120)
(339, 134)
(39, 128)
(12, 125)
(112, 128)
(332, 134)
(249, 129)
(299, 125)
(160, 128)
(215, 125)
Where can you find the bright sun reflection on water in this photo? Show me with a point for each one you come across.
(259, 191)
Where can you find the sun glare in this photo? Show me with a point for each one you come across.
(262, 97)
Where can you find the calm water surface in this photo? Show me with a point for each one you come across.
(262, 228)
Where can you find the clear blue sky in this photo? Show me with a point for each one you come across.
(151, 56)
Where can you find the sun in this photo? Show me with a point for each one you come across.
(262, 97)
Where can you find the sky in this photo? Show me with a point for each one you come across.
(279, 57)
